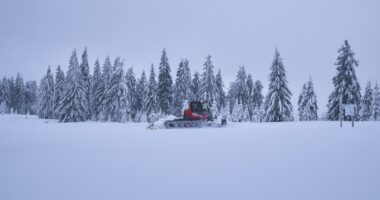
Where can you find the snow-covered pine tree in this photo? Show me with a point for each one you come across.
(195, 88)
(187, 78)
(107, 71)
(141, 97)
(347, 88)
(131, 97)
(3, 107)
(234, 116)
(103, 89)
(182, 86)
(19, 94)
(241, 91)
(165, 86)
(231, 97)
(116, 94)
(208, 81)
(46, 96)
(250, 92)
(97, 90)
(301, 113)
(258, 99)
(366, 111)
(239, 114)
(85, 69)
(278, 106)
(226, 110)
(220, 95)
(307, 103)
(241, 87)
(12, 96)
(31, 90)
(152, 101)
(376, 103)
(58, 89)
(5, 98)
(73, 104)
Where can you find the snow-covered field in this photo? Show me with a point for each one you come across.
(93, 160)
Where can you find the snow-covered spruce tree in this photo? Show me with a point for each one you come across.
(347, 88)
(258, 97)
(97, 90)
(73, 104)
(131, 96)
(366, 111)
(103, 89)
(10, 100)
(278, 106)
(58, 89)
(182, 86)
(239, 114)
(226, 110)
(376, 103)
(234, 113)
(2, 104)
(258, 102)
(231, 97)
(3, 107)
(85, 69)
(301, 113)
(116, 94)
(107, 71)
(5, 96)
(19, 92)
(208, 81)
(307, 103)
(250, 91)
(31, 90)
(241, 87)
(152, 101)
(141, 97)
(165, 86)
(195, 88)
(12, 96)
(46, 96)
(241, 90)
(220, 95)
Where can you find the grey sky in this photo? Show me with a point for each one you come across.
(35, 34)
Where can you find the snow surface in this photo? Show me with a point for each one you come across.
(42, 159)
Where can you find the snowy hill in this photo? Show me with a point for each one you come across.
(92, 160)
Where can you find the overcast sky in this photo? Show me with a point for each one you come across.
(38, 33)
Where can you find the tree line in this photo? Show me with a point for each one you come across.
(112, 94)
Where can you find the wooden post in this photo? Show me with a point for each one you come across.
(353, 116)
(340, 112)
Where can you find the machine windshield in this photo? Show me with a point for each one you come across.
(199, 107)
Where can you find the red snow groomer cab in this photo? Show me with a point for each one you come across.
(196, 114)
(197, 110)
